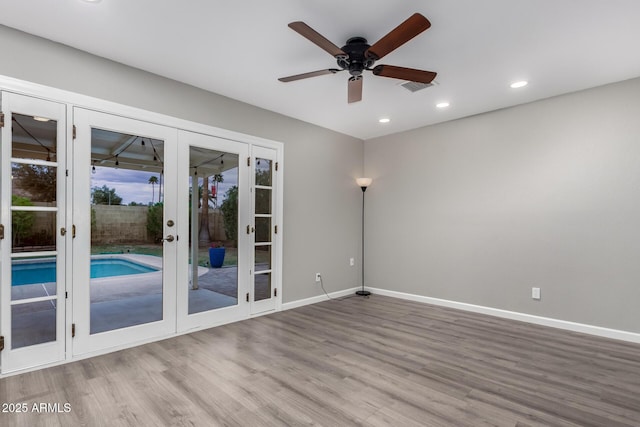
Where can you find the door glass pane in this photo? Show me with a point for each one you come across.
(263, 229)
(263, 201)
(263, 208)
(262, 286)
(33, 225)
(126, 230)
(34, 138)
(33, 323)
(262, 258)
(33, 185)
(33, 277)
(33, 231)
(263, 172)
(213, 229)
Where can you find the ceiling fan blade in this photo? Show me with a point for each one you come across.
(402, 73)
(404, 32)
(307, 75)
(355, 89)
(312, 35)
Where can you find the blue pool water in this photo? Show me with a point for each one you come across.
(45, 271)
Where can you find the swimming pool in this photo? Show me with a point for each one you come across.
(44, 270)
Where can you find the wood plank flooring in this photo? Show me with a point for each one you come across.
(376, 362)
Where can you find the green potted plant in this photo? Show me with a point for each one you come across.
(216, 255)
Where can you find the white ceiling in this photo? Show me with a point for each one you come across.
(240, 48)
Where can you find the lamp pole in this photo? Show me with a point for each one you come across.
(363, 183)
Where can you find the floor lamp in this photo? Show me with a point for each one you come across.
(363, 183)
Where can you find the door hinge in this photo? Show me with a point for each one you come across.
(1, 343)
(66, 172)
(63, 231)
(73, 330)
(247, 296)
(66, 295)
(1, 120)
(248, 161)
(276, 166)
(248, 229)
(73, 231)
(1, 231)
(275, 229)
(74, 131)
(275, 292)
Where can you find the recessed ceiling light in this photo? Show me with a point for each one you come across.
(442, 104)
(92, 1)
(384, 120)
(521, 83)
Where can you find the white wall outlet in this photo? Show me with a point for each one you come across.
(535, 293)
(317, 277)
(352, 262)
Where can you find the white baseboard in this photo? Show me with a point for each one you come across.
(538, 320)
(319, 298)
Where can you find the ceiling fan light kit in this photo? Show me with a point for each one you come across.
(357, 55)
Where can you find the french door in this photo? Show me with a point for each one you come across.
(127, 235)
(213, 192)
(32, 232)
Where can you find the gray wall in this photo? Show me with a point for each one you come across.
(321, 201)
(481, 209)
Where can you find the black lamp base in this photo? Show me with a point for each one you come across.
(363, 293)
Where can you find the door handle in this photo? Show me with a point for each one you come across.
(169, 238)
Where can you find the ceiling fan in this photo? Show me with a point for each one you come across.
(357, 55)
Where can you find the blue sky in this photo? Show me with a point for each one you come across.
(133, 186)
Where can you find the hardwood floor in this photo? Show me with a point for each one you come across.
(377, 361)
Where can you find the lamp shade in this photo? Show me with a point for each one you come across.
(363, 182)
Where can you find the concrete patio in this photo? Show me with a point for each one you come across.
(122, 301)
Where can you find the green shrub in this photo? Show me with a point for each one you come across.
(154, 222)
(21, 221)
(229, 210)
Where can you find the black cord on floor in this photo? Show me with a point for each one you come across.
(336, 299)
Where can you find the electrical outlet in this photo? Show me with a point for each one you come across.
(352, 262)
(317, 277)
(535, 293)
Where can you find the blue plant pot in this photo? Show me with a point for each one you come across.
(216, 257)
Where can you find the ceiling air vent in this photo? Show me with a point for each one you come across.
(415, 86)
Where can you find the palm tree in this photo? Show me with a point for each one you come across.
(217, 179)
(153, 180)
(203, 235)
